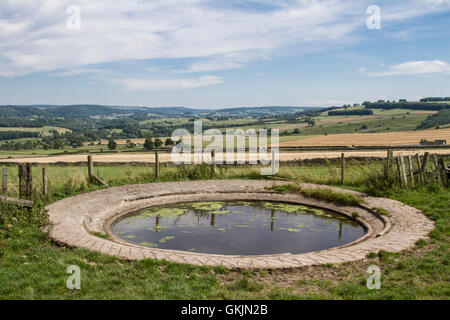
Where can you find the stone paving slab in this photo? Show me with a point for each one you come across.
(73, 221)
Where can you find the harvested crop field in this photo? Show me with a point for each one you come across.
(166, 157)
(371, 139)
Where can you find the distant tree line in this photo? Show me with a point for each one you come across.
(436, 120)
(24, 123)
(358, 112)
(386, 105)
(431, 99)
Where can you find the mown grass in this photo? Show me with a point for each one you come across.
(32, 267)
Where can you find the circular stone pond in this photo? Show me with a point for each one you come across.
(238, 228)
(240, 212)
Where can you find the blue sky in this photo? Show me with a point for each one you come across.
(211, 53)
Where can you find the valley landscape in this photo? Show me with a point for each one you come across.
(311, 142)
(210, 157)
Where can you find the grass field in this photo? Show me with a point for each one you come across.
(21, 140)
(32, 267)
(65, 180)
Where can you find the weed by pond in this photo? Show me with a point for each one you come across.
(324, 194)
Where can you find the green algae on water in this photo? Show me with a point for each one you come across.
(165, 212)
(207, 206)
(286, 207)
(220, 212)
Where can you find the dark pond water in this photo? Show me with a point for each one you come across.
(238, 228)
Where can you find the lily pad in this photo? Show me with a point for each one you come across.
(286, 207)
(220, 212)
(291, 229)
(149, 244)
(165, 239)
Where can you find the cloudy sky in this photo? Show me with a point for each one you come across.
(222, 53)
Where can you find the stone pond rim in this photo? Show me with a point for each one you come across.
(75, 220)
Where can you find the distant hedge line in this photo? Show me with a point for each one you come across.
(9, 135)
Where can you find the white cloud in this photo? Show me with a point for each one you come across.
(416, 67)
(34, 36)
(219, 35)
(168, 84)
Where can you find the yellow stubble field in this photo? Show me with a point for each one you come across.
(371, 139)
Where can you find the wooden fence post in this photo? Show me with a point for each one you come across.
(90, 167)
(44, 181)
(444, 171)
(390, 153)
(213, 159)
(5, 181)
(92, 177)
(402, 167)
(21, 180)
(436, 168)
(342, 168)
(419, 167)
(28, 182)
(425, 161)
(411, 170)
(399, 170)
(156, 165)
(213, 162)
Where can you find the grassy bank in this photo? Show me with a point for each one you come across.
(32, 267)
(68, 180)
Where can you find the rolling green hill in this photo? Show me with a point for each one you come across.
(91, 111)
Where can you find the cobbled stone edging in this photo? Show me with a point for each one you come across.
(74, 219)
